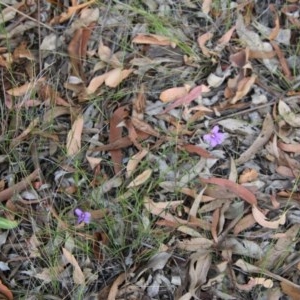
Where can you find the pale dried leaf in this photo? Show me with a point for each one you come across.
(202, 40)
(194, 244)
(286, 113)
(140, 179)
(134, 161)
(116, 76)
(21, 90)
(93, 161)
(261, 219)
(74, 137)
(153, 39)
(95, 83)
(173, 94)
(199, 267)
(243, 89)
(78, 275)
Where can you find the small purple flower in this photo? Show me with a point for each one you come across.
(215, 137)
(83, 216)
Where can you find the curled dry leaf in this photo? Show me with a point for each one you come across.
(173, 94)
(286, 113)
(202, 39)
(140, 179)
(243, 88)
(78, 275)
(261, 219)
(74, 137)
(199, 267)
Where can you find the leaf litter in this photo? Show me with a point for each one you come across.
(145, 156)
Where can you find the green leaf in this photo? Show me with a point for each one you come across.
(8, 224)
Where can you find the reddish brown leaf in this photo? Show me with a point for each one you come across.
(4, 290)
(153, 39)
(237, 189)
(115, 134)
(289, 147)
(196, 149)
(185, 100)
(77, 49)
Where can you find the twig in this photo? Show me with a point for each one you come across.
(18, 187)
(26, 16)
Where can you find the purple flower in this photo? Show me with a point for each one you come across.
(215, 137)
(83, 216)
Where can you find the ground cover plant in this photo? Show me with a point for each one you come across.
(149, 149)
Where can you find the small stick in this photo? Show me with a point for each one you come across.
(18, 187)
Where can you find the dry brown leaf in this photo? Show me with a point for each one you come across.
(276, 29)
(260, 141)
(282, 60)
(243, 224)
(157, 210)
(21, 90)
(199, 266)
(77, 49)
(134, 161)
(95, 83)
(153, 39)
(266, 283)
(235, 188)
(243, 88)
(202, 40)
(23, 52)
(194, 244)
(115, 135)
(5, 291)
(64, 16)
(115, 286)
(140, 179)
(196, 149)
(288, 115)
(289, 147)
(74, 137)
(173, 94)
(214, 224)
(261, 219)
(185, 100)
(248, 175)
(291, 291)
(116, 76)
(226, 37)
(78, 275)
(145, 127)
(93, 161)
(26, 132)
